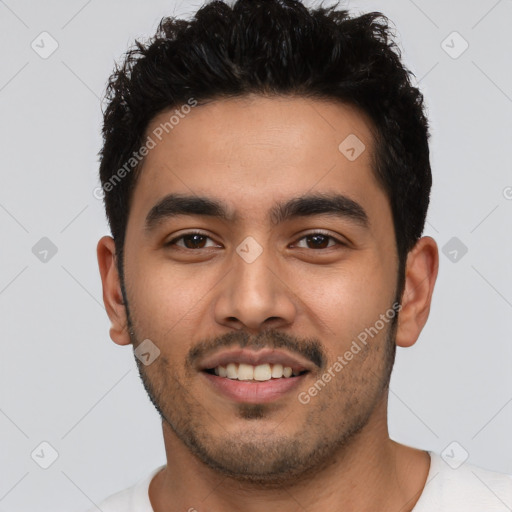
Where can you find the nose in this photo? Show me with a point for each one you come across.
(255, 296)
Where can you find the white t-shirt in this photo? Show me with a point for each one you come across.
(465, 489)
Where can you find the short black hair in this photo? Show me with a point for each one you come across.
(272, 47)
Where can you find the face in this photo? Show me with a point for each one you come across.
(294, 263)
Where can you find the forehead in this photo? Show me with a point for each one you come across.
(253, 151)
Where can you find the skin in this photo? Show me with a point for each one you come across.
(334, 451)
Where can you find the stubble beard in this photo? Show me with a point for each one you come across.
(268, 458)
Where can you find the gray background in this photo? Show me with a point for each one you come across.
(63, 380)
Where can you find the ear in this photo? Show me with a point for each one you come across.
(420, 278)
(112, 295)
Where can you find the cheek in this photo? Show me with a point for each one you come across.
(161, 295)
(344, 302)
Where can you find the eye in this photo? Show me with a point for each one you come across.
(319, 240)
(192, 240)
(198, 240)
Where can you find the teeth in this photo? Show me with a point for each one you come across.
(277, 371)
(245, 372)
(231, 371)
(261, 372)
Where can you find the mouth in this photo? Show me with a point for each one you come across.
(247, 376)
(251, 373)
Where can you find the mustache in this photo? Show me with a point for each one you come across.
(309, 348)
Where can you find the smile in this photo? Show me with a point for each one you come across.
(253, 391)
(259, 373)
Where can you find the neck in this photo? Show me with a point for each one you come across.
(371, 472)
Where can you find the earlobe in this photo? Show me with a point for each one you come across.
(112, 295)
(420, 277)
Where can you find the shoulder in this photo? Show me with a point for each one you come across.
(132, 499)
(116, 502)
(454, 486)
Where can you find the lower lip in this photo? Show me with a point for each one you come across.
(254, 392)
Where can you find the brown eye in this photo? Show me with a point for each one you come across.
(194, 241)
(319, 241)
(190, 241)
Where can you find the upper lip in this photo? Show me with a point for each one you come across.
(263, 356)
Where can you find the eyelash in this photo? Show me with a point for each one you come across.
(191, 233)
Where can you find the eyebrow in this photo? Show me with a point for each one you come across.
(335, 205)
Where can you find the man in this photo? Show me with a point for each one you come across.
(266, 177)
